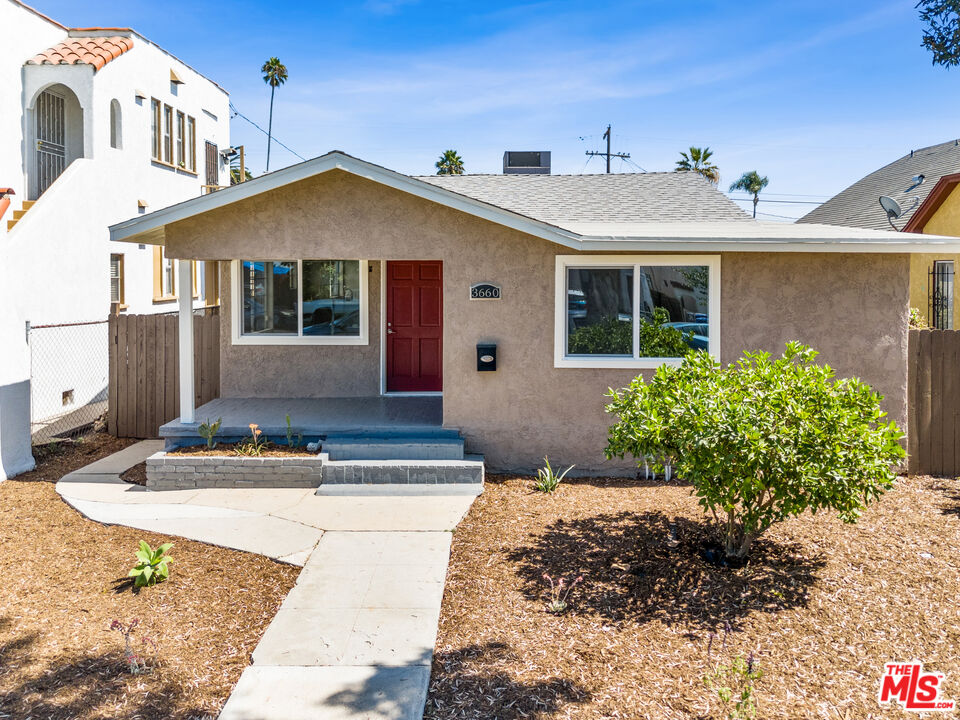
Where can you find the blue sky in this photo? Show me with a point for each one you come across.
(812, 94)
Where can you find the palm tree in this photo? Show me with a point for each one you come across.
(235, 178)
(698, 161)
(274, 74)
(450, 163)
(752, 183)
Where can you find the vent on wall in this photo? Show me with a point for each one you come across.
(526, 162)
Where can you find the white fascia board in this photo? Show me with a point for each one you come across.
(668, 244)
(135, 229)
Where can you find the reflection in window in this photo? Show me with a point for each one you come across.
(269, 295)
(600, 311)
(331, 297)
(672, 306)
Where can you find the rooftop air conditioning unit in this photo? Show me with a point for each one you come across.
(526, 162)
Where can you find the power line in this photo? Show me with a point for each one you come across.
(237, 113)
(788, 202)
(608, 154)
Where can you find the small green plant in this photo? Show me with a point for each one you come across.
(733, 682)
(208, 431)
(547, 479)
(152, 566)
(253, 445)
(294, 440)
(559, 592)
(917, 320)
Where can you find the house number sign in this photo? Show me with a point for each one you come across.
(484, 291)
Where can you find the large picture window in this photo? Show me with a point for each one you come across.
(300, 301)
(635, 311)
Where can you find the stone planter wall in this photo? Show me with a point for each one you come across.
(181, 472)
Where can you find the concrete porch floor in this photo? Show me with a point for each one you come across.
(394, 415)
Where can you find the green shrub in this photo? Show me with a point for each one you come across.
(612, 336)
(547, 479)
(660, 340)
(760, 440)
(152, 567)
(209, 431)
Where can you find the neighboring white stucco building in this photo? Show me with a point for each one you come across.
(96, 125)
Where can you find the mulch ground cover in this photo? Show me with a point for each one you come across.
(269, 449)
(63, 584)
(821, 605)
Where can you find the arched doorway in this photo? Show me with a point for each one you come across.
(57, 125)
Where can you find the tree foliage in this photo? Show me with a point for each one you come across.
(751, 182)
(612, 336)
(941, 32)
(274, 75)
(761, 440)
(450, 163)
(698, 161)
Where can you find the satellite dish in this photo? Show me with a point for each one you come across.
(893, 210)
(891, 207)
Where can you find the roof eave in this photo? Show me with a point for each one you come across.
(794, 245)
(135, 229)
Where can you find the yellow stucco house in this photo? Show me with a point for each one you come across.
(922, 184)
(931, 276)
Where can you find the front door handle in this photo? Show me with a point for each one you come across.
(390, 332)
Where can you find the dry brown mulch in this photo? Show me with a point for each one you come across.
(821, 604)
(64, 582)
(137, 475)
(268, 450)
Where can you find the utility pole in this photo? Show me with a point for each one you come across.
(608, 154)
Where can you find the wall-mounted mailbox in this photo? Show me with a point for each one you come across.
(486, 357)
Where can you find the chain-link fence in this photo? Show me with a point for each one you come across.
(68, 378)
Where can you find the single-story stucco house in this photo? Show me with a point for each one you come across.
(501, 308)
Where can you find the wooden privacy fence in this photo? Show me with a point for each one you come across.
(145, 370)
(933, 402)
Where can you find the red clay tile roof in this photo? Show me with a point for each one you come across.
(96, 51)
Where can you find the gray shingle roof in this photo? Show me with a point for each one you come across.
(620, 197)
(859, 206)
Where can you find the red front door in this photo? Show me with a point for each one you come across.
(414, 326)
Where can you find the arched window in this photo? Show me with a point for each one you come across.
(116, 140)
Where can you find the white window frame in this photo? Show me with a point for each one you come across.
(236, 312)
(560, 357)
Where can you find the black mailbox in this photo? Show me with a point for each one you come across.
(486, 357)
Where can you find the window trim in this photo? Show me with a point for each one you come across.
(159, 257)
(167, 135)
(121, 301)
(191, 144)
(180, 142)
(563, 262)
(236, 302)
(155, 151)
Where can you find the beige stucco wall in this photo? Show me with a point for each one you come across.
(851, 307)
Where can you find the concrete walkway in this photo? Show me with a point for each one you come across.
(354, 638)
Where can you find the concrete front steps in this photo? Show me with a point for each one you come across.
(373, 462)
(390, 447)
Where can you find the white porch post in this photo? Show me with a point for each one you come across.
(185, 301)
